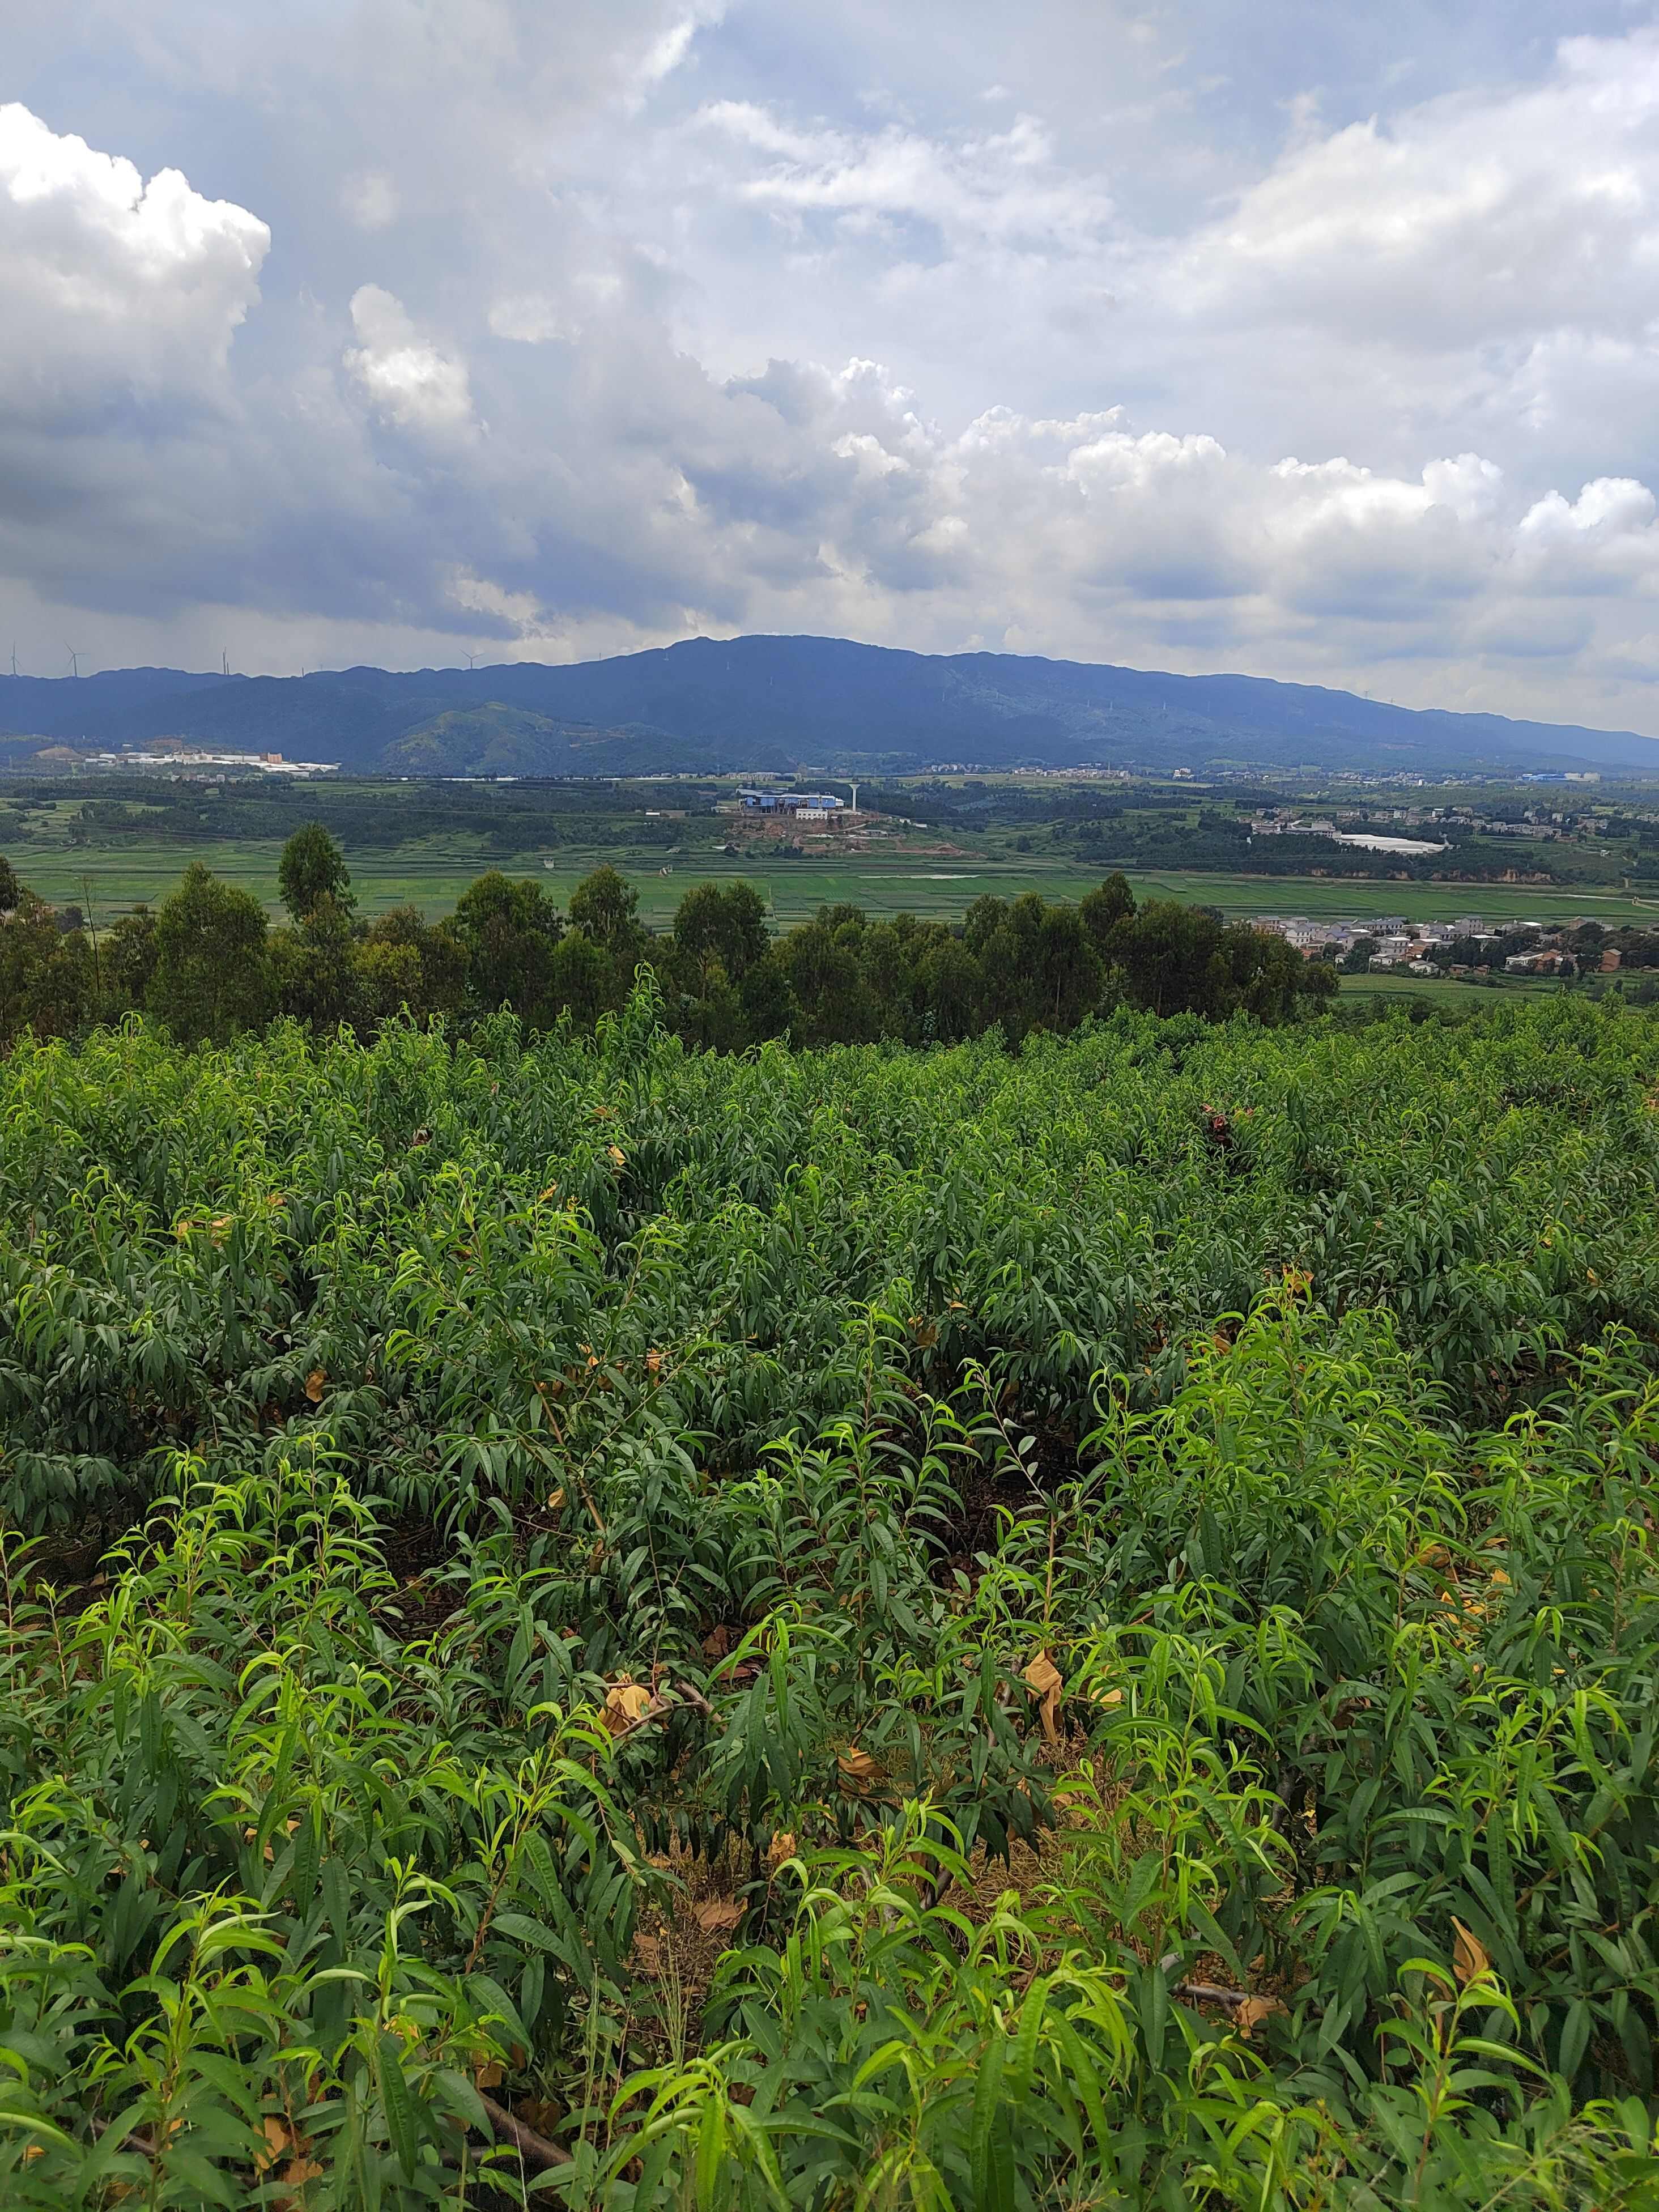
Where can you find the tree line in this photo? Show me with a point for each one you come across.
(207, 962)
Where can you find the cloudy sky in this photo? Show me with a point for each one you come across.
(1313, 341)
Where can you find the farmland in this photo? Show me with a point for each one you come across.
(432, 873)
(592, 1623)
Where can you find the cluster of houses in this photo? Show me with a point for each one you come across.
(1421, 948)
(1535, 822)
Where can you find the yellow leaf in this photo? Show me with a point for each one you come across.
(1469, 1958)
(1046, 1681)
(718, 1916)
(555, 1502)
(316, 1383)
(616, 1155)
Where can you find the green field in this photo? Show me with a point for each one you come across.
(1450, 987)
(433, 873)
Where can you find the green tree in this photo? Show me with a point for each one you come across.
(604, 906)
(1165, 953)
(129, 956)
(212, 974)
(507, 929)
(822, 960)
(316, 967)
(584, 980)
(46, 973)
(770, 1008)
(1104, 908)
(1068, 972)
(724, 923)
(311, 869)
(948, 983)
(403, 961)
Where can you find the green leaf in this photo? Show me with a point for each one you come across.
(398, 2104)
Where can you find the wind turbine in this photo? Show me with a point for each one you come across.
(472, 662)
(75, 660)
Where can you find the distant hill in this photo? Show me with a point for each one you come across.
(782, 702)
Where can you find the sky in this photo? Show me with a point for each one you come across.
(1308, 342)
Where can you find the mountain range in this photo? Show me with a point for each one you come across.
(781, 703)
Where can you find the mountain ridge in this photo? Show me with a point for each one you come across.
(779, 703)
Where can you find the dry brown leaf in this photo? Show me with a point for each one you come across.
(717, 1643)
(1469, 1958)
(488, 2075)
(552, 1191)
(220, 1227)
(316, 1383)
(1099, 1696)
(857, 1769)
(647, 1954)
(626, 1704)
(718, 1916)
(654, 1363)
(616, 1156)
(280, 2141)
(555, 1502)
(782, 1847)
(294, 2175)
(1253, 2010)
(1044, 1680)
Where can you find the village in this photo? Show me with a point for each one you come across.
(1466, 943)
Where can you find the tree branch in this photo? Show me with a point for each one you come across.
(524, 2140)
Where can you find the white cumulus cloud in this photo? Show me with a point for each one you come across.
(410, 382)
(113, 287)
